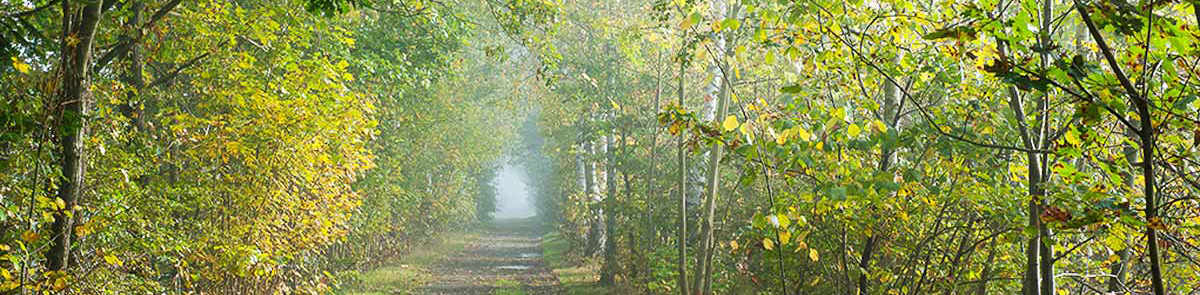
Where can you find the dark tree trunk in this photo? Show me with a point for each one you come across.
(79, 29)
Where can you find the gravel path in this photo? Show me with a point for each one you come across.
(506, 259)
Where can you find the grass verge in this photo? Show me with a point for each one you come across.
(409, 271)
(508, 287)
(578, 276)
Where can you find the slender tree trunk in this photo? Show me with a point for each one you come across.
(892, 110)
(1046, 253)
(1118, 270)
(651, 179)
(1032, 277)
(986, 274)
(682, 282)
(1148, 186)
(133, 76)
(719, 109)
(1146, 136)
(1148, 183)
(608, 271)
(74, 97)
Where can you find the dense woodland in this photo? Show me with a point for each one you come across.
(685, 146)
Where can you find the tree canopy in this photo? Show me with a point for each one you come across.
(681, 146)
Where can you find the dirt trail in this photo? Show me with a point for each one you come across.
(507, 259)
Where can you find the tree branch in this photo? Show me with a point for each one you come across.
(125, 45)
(1108, 55)
(168, 77)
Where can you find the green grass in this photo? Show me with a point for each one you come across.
(578, 276)
(508, 287)
(406, 273)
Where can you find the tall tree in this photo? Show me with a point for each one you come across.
(80, 22)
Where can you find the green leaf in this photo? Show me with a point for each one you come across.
(730, 24)
(838, 193)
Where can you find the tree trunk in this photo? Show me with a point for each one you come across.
(986, 274)
(717, 110)
(682, 282)
(133, 76)
(1046, 253)
(892, 110)
(1148, 183)
(79, 30)
(1033, 272)
(608, 270)
(1119, 269)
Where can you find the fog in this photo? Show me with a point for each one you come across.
(512, 194)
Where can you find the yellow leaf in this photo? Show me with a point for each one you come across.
(731, 122)
(812, 253)
(685, 24)
(783, 221)
(784, 237)
(800, 245)
(733, 244)
(113, 260)
(60, 284)
(853, 130)
(20, 66)
(30, 236)
(801, 133)
(72, 40)
(767, 243)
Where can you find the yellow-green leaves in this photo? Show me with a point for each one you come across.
(729, 24)
(20, 66)
(113, 260)
(796, 132)
(730, 123)
(690, 21)
(853, 130)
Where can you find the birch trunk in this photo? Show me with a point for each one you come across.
(714, 111)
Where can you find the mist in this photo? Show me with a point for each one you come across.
(512, 193)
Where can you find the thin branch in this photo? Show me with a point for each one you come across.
(170, 76)
(1088, 97)
(1076, 247)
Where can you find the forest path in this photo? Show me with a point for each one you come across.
(505, 260)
